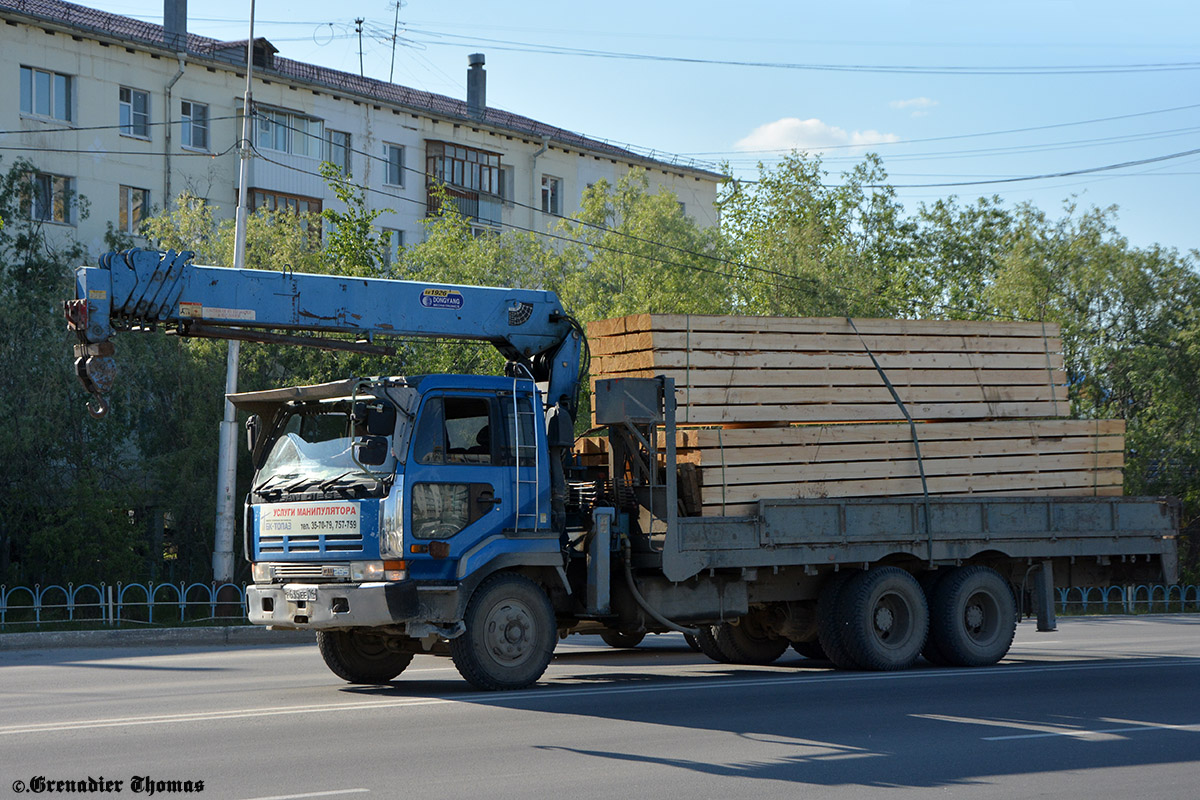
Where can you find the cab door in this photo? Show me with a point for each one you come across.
(458, 489)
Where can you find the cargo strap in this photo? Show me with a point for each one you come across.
(912, 428)
(1049, 367)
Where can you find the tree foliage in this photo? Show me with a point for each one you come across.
(88, 500)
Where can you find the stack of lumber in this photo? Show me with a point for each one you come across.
(796, 407)
(738, 467)
(756, 370)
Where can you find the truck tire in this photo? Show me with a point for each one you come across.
(510, 634)
(691, 642)
(747, 646)
(887, 619)
(622, 640)
(831, 622)
(359, 657)
(974, 617)
(706, 638)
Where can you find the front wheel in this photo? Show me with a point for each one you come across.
(360, 657)
(510, 634)
(748, 647)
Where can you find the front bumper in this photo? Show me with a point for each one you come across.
(332, 605)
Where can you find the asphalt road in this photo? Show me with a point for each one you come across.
(1102, 708)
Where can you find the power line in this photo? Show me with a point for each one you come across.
(891, 69)
(75, 129)
(595, 246)
(970, 135)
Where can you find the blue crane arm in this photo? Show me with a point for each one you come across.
(147, 289)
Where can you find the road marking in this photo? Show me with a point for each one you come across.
(1149, 726)
(311, 794)
(553, 694)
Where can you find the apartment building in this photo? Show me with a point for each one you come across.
(128, 114)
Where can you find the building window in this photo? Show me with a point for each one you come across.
(508, 189)
(337, 150)
(135, 112)
(46, 94)
(394, 154)
(135, 208)
(278, 201)
(51, 198)
(193, 123)
(288, 133)
(551, 195)
(395, 243)
(464, 167)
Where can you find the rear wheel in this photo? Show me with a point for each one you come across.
(691, 642)
(974, 617)
(747, 646)
(621, 639)
(510, 634)
(886, 619)
(831, 624)
(360, 657)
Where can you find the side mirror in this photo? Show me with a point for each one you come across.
(372, 450)
(253, 431)
(381, 421)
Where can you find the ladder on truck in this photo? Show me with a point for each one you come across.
(526, 456)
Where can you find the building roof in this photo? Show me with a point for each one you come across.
(137, 31)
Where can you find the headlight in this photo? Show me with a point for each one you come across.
(367, 571)
(261, 572)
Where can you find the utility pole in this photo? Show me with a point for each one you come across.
(358, 27)
(227, 448)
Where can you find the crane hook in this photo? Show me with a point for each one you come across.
(98, 407)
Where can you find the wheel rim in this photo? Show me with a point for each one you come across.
(892, 620)
(981, 617)
(509, 632)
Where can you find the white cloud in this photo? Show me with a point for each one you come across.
(812, 135)
(919, 105)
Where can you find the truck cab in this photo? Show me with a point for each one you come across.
(373, 501)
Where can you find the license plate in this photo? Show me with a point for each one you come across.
(294, 593)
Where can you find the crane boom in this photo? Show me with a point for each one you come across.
(145, 289)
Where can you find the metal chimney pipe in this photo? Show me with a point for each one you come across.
(476, 86)
(175, 25)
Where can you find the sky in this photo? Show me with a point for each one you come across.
(1096, 103)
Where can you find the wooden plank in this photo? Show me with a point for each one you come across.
(783, 395)
(884, 487)
(861, 412)
(984, 467)
(704, 322)
(750, 509)
(1033, 376)
(751, 359)
(1030, 430)
(800, 343)
(714, 458)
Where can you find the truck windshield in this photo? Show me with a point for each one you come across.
(315, 451)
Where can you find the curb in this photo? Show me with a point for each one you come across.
(227, 636)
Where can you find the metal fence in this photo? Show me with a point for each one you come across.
(119, 604)
(140, 604)
(1133, 599)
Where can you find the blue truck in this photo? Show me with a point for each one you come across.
(441, 514)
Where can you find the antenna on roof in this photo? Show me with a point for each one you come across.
(395, 30)
(358, 27)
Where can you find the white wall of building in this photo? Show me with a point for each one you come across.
(106, 159)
